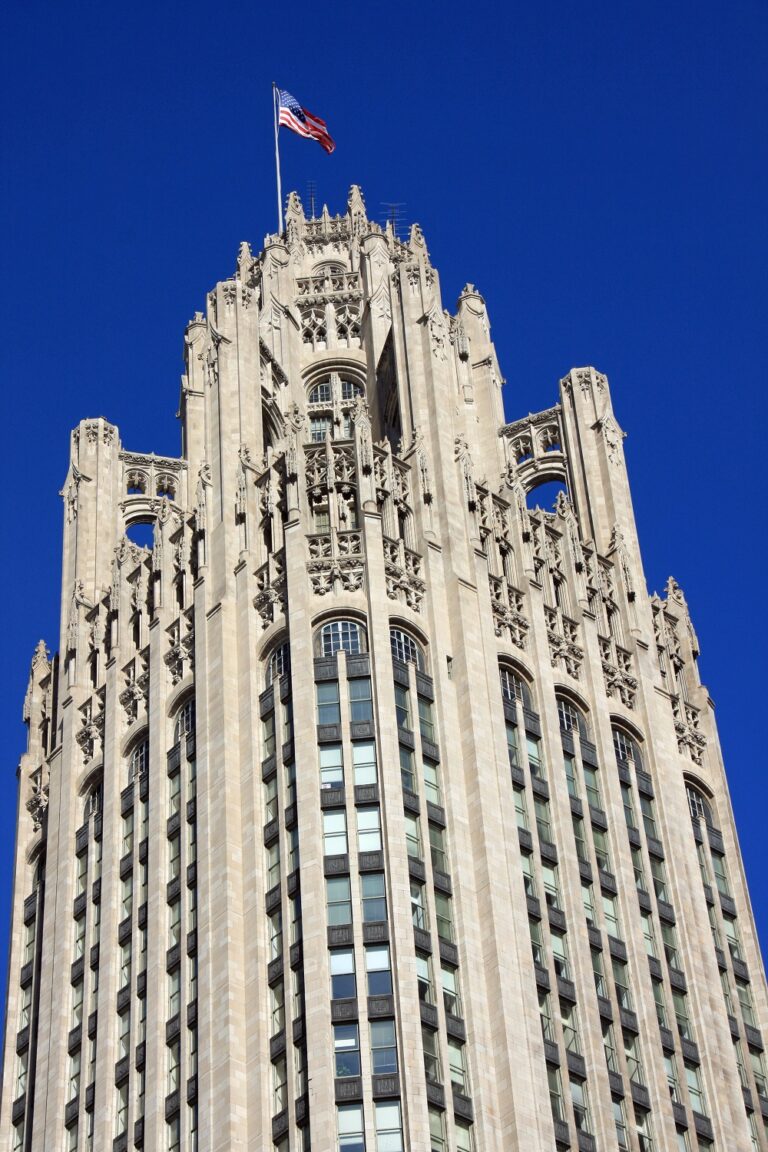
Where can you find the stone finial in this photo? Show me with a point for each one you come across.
(244, 260)
(356, 206)
(40, 659)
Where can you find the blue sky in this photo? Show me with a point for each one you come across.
(598, 171)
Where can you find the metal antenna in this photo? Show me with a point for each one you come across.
(311, 197)
(394, 214)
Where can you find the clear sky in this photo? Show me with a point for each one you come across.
(597, 170)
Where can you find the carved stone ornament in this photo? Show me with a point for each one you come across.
(37, 802)
(325, 575)
(612, 437)
(461, 454)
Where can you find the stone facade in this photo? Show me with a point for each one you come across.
(371, 804)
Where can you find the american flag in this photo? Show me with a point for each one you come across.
(301, 121)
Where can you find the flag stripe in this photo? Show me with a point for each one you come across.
(302, 122)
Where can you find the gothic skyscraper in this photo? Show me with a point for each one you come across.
(370, 805)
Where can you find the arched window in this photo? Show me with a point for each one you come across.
(185, 720)
(698, 805)
(139, 760)
(626, 749)
(513, 687)
(350, 389)
(279, 662)
(405, 649)
(571, 719)
(342, 634)
(94, 800)
(321, 393)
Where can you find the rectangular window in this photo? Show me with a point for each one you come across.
(588, 900)
(621, 980)
(465, 1141)
(287, 720)
(342, 962)
(560, 955)
(521, 814)
(670, 1067)
(602, 855)
(383, 1048)
(570, 773)
(402, 707)
(174, 1061)
(174, 794)
(444, 917)
(659, 874)
(597, 972)
(378, 971)
(127, 845)
(331, 766)
(389, 1127)
(513, 748)
(529, 878)
(328, 710)
(338, 900)
(174, 922)
(611, 916)
(555, 1093)
(609, 1046)
(551, 885)
(121, 1109)
(649, 817)
(629, 808)
(346, 1050)
(174, 993)
(745, 1000)
(639, 870)
(364, 762)
(732, 936)
(74, 1074)
(81, 879)
(349, 1120)
(418, 911)
(669, 939)
(268, 738)
(578, 835)
(545, 1016)
(632, 1056)
(276, 934)
(125, 964)
(290, 784)
(124, 1034)
(580, 1105)
(681, 1014)
(436, 1131)
(80, 923)
(695, 1090)
(758, 1071)
(431, 1055)
(334, 833)
(449, 978)
(592, 786)
(457, 1065)
(174, 856)
(374, 897)
(431, 781)
(569, 1022)
(273, 864)
(407, 774)
(648, 934)
(535, 762)
(426, 720)
(360, 700)
(543, 824)
(537, 944)
(412, 835)
(279, 1085)
(368, 830)
(620, 1120)
(437, 848)
(424, 979)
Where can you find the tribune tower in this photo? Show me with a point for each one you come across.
(368, 804)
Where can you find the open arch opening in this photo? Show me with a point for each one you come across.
(544, 495)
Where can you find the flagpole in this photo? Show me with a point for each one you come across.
(277, 161)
